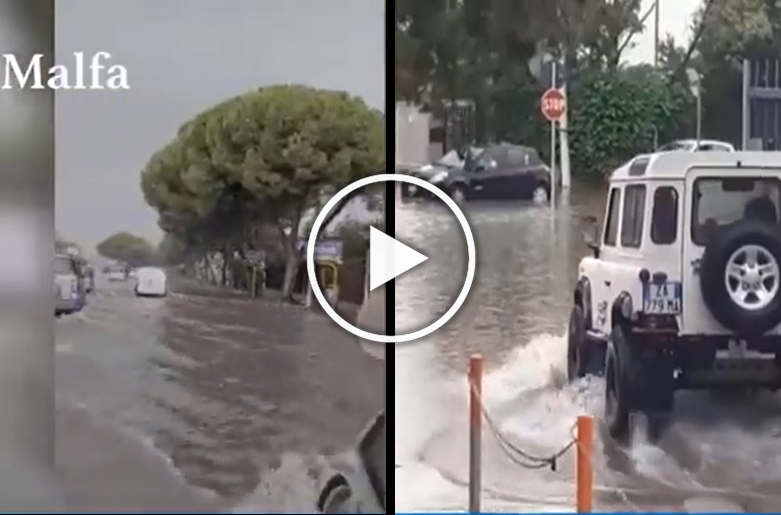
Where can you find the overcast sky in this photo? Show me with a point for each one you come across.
(183, 56)
(675, 18)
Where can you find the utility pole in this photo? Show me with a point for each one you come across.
(656, 33)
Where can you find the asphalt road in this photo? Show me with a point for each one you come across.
(204, 400)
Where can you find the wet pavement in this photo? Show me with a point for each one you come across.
(719, 449)
(204, 400)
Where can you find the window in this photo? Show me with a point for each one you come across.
(534, 157)
(638, 167)
(611, 223)
(517, 157)
(664, 220)
(676, 146)
(485, 159)
(721, 201)
(633, 216)
(714, 147)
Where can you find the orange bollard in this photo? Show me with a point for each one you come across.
(475, 431)
(584, 470)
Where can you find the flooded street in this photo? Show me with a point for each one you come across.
(718, 448)
(204, 400)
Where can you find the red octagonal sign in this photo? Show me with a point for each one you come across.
(553, 104)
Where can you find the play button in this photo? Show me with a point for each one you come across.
(389, 258)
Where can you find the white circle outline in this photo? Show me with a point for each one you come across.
(384, 338)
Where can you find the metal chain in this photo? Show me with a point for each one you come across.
(515, 453)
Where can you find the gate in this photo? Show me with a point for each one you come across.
(762, 104)
(412, 135)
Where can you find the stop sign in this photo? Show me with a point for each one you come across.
(553, 104)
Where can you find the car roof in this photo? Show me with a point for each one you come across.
(691, 141)
(675, 165)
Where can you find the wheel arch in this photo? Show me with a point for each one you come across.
(616, 318)
(582, 297)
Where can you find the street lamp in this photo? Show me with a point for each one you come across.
(694, 86)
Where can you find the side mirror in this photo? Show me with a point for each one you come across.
(591, 234)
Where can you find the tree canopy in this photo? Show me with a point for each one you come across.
(484, 52)
(260, 160)
(127, 248)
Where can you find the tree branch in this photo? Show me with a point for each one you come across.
(632, 33)
(694, 42)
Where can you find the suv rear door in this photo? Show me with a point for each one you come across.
(708, 206)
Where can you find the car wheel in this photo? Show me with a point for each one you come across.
(583, 357)
(540, 194)
(740, 277)
(458, 194)
(617, 414)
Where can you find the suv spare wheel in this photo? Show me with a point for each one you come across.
(740, 276)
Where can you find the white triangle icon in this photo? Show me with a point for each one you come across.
(389, 258)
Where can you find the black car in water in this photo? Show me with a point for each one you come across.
(497, 172)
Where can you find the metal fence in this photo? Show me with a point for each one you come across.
(762, 104)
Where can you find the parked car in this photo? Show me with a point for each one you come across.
(150, 282)
(68, 286)
(116, 273)
(694, 145)
(498, 172)
(683, 290)
(453, 159)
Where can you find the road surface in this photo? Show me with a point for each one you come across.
(720, 450)
(204, 400)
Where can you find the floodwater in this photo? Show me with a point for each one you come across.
(204, 401)
(719, 450)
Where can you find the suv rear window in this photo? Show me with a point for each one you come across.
(611, 224)
(633, 217)
(664, 220)
(720, 201)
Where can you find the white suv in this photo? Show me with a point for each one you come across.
(682, 290)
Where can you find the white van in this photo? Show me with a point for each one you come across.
(151, 282)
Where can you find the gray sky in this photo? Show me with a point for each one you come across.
(675, 19)
(183, 56)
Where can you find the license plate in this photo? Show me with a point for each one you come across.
(662, 299)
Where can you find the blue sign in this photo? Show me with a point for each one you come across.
(325, 250)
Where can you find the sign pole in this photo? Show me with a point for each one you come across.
(554, 174)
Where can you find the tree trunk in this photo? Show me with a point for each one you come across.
(224, 271)
(291, 269)
(292, 257)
